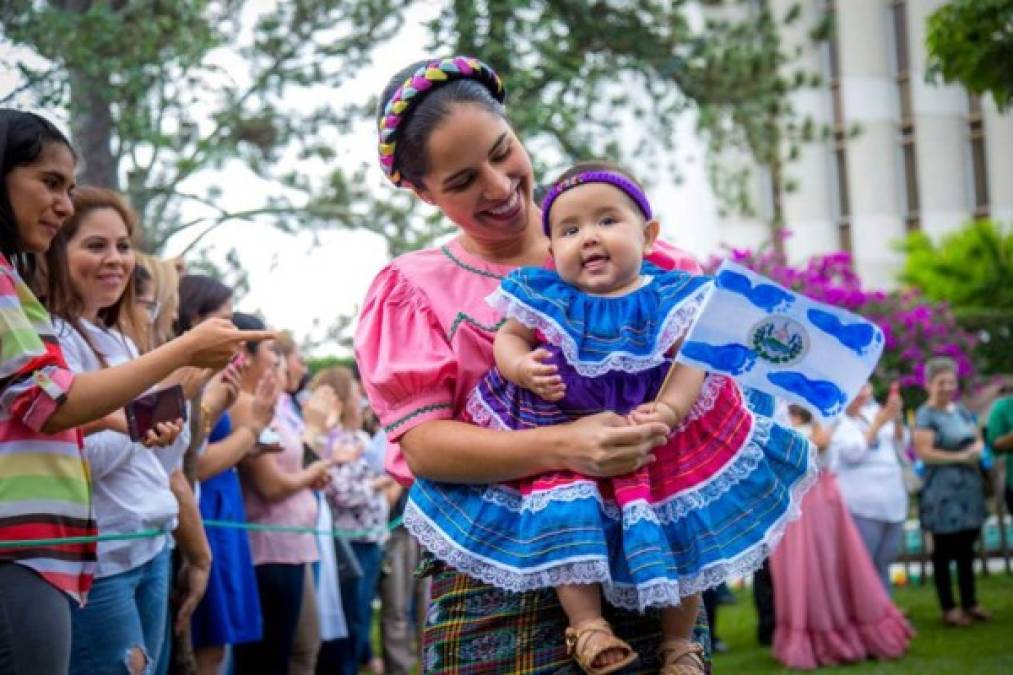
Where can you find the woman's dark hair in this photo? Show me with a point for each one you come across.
(23, 136)
(411, 157)
(249, 322)
(199, 295)
(142, 280)
(62, 298)
(798, 411)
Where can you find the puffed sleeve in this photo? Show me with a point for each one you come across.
(408, 367)
(668, 257)
(34, 379)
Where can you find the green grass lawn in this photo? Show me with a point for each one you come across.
(983, 649)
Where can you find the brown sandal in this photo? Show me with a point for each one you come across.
(672, 651)
(578, 645)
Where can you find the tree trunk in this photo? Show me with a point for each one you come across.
(777, 204)
(91, 123)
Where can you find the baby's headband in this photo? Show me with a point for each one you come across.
(615, 179)
(427, 77)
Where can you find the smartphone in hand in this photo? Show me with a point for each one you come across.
(144, 412)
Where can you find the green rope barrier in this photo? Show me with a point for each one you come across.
(225, 524)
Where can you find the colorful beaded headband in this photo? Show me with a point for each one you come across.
(428, 76)
(615, 179)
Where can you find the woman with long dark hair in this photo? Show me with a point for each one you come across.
(45, 489)
(425, 338)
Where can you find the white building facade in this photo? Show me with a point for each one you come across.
(926, 156)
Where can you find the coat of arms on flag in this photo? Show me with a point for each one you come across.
(782, 343)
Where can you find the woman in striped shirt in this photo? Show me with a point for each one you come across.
(45, 491)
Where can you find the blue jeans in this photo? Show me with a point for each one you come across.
(345, 655)
(126, 611)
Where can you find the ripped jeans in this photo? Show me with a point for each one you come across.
(122, 627)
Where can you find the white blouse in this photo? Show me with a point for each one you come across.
(869, 474)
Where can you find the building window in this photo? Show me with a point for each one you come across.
(902, 74)
(979, 166)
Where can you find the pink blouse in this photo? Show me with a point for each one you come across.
(425, 336)
(296, 510)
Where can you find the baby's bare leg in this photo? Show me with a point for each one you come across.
(582, 604)
(677, 622)
(677, 625)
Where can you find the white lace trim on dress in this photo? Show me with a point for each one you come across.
(675, 325)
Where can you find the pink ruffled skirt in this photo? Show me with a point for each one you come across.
(829, 602)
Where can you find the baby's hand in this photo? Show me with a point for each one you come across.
(538, 377)
(655, 412)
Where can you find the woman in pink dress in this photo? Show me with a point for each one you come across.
(425, 338)
(830, 606)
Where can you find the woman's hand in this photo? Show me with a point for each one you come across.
(162, 434)
(265, 396)
(191, 583)
(972, 455)
(213, 342)
(318, 409)
(223, 389)
(607, 444)
(317, 474)
(538, 377)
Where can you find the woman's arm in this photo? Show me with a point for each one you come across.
(923, 441)
(193, 544)
(227, 452)
(274, 485)
(96, 394)
(251, 415)
(1000, 435)
(599, 445)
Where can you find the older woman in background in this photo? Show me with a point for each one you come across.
(952, 503)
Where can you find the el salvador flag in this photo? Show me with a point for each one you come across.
(782, 343)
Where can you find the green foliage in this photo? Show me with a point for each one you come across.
(971, 42)
(993, 351)
(579, 75)
(158, 92)
(971, 267)
(316, 364)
